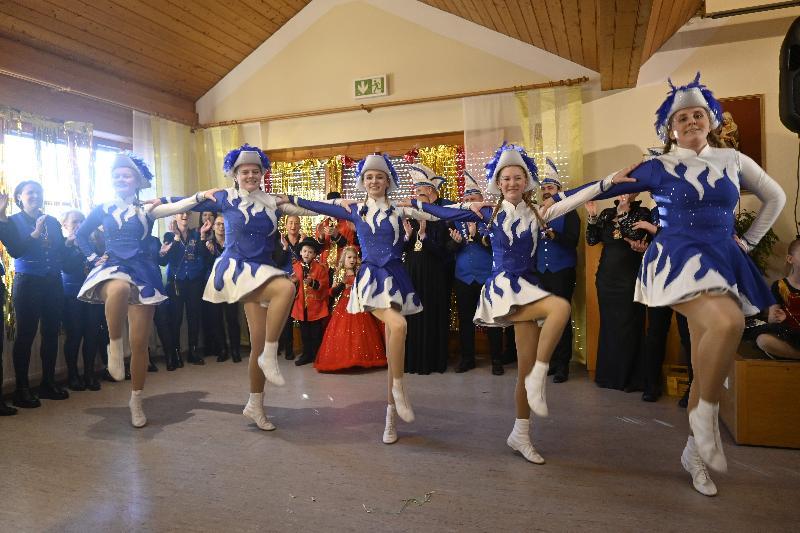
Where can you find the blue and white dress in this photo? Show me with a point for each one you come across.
(694, 251)
(514, 235)
(382, 281)
(246, 263)
(126, 225)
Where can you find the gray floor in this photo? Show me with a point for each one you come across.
(612, 461)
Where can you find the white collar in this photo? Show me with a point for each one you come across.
(379, 204)
(508, 206)
(682, 153)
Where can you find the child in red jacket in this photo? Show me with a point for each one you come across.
(311, 301)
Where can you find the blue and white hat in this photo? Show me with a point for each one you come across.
(510, 155)
(693, 94)
(376, 162)
(244, 155)
(470, 185)
(551, 173)
(132, 161)
(421, 175)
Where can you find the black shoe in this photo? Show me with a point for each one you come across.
(552, 370)
(223, 356)
(171, 364)
(151, 366)
(303, 361)
(684, 401)
(51, 391)
(6, 410)
(465, 366)
(560, 376)
(193, 358)
(236, 357)
(92, 383)
(107, 376)
(650, 396)
(178, 358)
(127, 372)
(76, 383)
(25, 398)
(497, 369)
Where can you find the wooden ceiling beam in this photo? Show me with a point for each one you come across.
(34, 64)
(530, 21)
(162, 41)
(624, 30)
(198, 22)
(42, 38)
(124, 41)
(572, 23)
(556, 17)
(588, 31)
(545, 27)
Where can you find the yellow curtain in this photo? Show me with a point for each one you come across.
(210, 147)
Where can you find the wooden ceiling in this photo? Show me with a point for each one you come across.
(612, 37)
(160, 56)
(155, 55)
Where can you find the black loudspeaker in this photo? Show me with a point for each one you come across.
(790, 78)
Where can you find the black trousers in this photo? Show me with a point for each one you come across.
(37, 299)
(81, 322)
(655, 344)
(467, 296)
(222, 315)
(561, 283)
(166, 335)
(311, 333)
(188, 294)
(286, 342)
(2, 332)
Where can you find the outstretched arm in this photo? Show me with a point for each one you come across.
(768, 191)
(313, 208)
(173, 206)
(580, 197)
(451, 213)
(646, 177)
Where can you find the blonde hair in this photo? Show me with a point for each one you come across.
(65, 215)
(343, 255)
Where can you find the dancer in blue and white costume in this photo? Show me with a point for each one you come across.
(382, 285)
(696, 263)
(246, 271)
(125, 278)
(511, 295)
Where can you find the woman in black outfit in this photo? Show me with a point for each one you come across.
(37, 245)
(81, 319)
(621, 319)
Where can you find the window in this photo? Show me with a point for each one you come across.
(55, 174)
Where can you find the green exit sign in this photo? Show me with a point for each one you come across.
(370, 87)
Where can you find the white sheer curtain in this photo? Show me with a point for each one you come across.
(547, 122)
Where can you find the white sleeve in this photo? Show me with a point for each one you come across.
(173, 208)
(753, 178)
(416, 214)
(296, 210)
(578, 199)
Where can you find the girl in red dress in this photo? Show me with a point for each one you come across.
(351, 340)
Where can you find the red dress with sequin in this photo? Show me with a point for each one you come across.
(351, 340)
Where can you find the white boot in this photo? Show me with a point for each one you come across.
(693, 464)
(390, 431)
(137, 413)
(268, 363)
(520, 440)
(116, 359)
(534, 386)
(254, 410)
(704, 421)
(401, 403)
